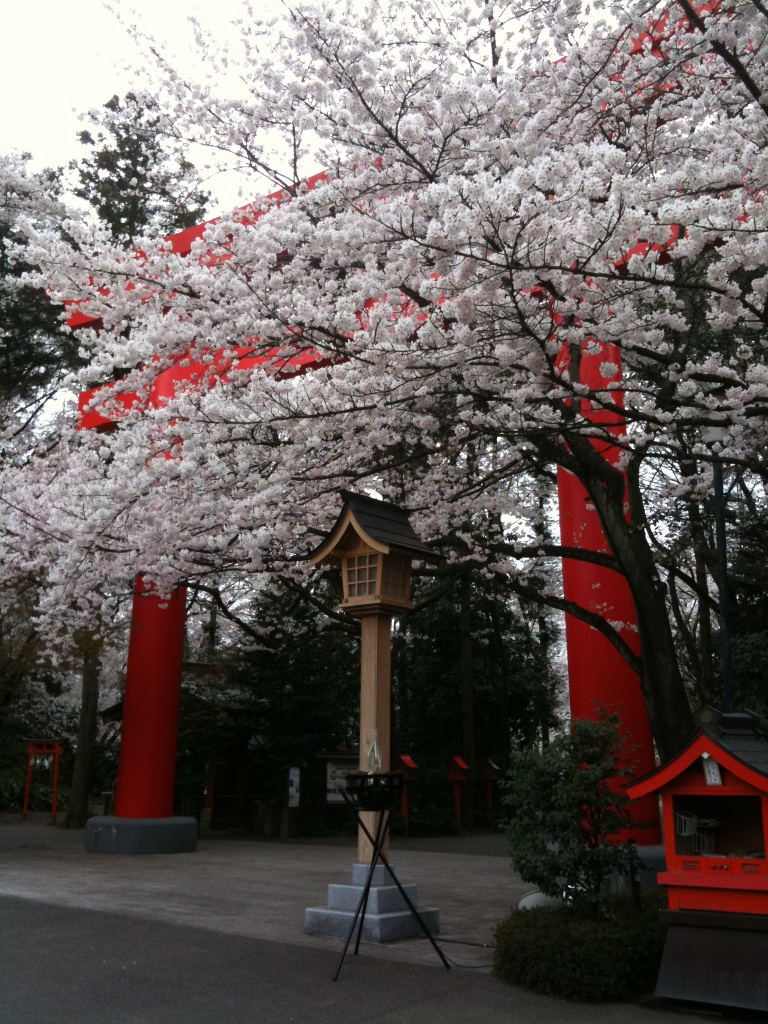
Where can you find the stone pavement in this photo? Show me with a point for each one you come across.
(217, 937)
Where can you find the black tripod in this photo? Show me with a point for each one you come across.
(382, 830)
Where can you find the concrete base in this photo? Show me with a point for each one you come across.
(141, 835)
(387, 916)
(715, 957)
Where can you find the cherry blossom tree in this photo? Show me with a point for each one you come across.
(35, 352)
(512, 193)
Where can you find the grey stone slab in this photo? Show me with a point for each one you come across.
(380, 875)
(140, 835)
(376, 927)
(387, 915)
(719, 966)
(382, 899)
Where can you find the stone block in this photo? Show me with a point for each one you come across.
(376, 927)
(140, 835)
(382, 899)
(387, 916)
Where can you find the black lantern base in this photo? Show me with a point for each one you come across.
(379, 792)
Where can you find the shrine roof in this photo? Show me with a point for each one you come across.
(736, 732)
(752, 751)
(730, 738)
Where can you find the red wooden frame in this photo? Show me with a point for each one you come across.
(37, 750)
(709, 880)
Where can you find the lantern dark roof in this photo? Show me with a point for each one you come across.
(730, 738)
(384, 525)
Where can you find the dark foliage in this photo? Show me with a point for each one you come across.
(512, 685)
(133, 179)
(35, 347)
(576, 955)
(566, 810)
(302, 684)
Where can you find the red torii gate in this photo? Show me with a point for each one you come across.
(599, 677)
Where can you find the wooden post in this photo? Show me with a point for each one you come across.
(375, 665)
(373, 542)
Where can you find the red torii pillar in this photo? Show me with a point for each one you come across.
(147, 768)
(598, 676)
(143, 821)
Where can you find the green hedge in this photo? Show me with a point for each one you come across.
(567, 953)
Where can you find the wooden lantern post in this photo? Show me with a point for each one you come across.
(373, 543)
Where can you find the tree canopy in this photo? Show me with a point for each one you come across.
(36, 350)
(510, 192)
(134, 179)
(38, 353)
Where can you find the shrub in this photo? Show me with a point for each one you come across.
(566, 810)
(576, 955)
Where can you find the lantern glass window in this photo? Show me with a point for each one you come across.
(362, 571)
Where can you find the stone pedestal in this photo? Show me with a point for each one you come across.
(387, 916)
(140, 835)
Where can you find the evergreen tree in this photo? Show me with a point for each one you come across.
(470, 677)
(134, 178)
(35, 347)
(566, 811)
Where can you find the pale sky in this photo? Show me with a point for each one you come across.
(63, 57)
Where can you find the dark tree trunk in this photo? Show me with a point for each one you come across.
(547, 694)
(707, 683)
(660, 678)
(77, 808)
(504, 683)
(400, 728)
(467, 702)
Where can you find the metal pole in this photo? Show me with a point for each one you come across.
(722, 587)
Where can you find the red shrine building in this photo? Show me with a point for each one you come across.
(714, 797)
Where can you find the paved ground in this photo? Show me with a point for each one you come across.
(216, 937)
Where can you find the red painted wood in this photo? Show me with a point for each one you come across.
(670, 775)
(598, 675)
